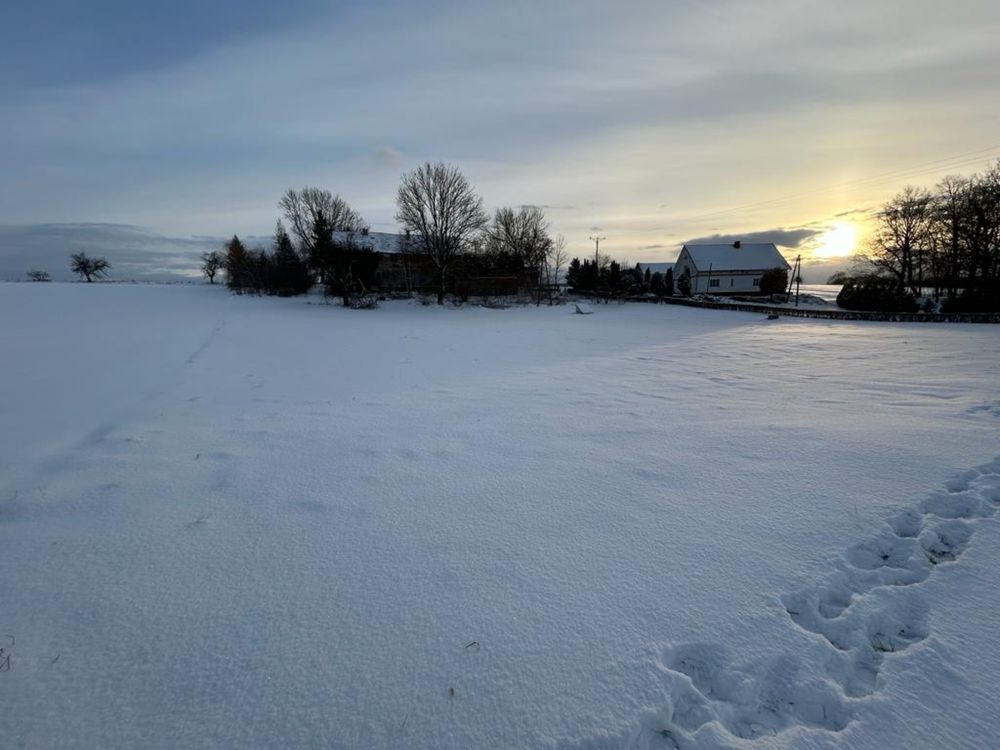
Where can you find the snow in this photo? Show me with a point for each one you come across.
(826, 292)
(248, 522)
(748, 256)
(381, 242)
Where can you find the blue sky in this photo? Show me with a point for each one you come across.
(651, 123)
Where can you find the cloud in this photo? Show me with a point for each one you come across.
(388, 157)
(134, 252)
(858, 212)
(686, 108)
(790, 238)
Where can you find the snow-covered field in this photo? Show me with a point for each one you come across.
(242, 522)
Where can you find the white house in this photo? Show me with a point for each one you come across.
(727, 269)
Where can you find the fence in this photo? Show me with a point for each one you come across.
(804, 312)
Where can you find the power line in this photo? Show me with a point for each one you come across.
(868, 182)
(952, 162)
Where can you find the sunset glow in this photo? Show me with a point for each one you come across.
(839, 241)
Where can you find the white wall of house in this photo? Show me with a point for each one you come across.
(726, 283)
(684, 264)
(717, 282)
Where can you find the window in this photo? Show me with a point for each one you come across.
(756, 282)
(713, 282)
(732, 282)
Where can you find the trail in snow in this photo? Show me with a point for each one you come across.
(868, 609)
(285, 531)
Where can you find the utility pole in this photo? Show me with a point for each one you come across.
(597, 247)
(795, 279)
(798, 277)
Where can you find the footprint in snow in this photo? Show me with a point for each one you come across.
(867, 610)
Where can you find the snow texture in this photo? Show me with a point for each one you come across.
(246, 522)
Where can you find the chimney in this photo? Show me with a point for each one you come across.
(736, 244)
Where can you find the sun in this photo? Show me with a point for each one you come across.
(838, 241)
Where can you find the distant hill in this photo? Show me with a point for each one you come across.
(134, 252)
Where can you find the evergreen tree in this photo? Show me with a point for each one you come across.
(573, 272)
(321, 247)
(588, 277)
(237, 264)
(290, 276)
(613, 276)
(259, 272)
(684, 284)
(668, 282)
(656, 283)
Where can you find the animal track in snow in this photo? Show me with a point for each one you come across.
(946, 541)
(989, 407)
(867, 609)
(748, 701)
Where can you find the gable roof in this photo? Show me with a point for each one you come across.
(380, 242)
(749, 256)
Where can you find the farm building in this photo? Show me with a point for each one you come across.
(728, 268)
(403, 267)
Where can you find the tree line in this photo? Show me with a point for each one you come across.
(941, 244)
(444, 222)
(607, 277)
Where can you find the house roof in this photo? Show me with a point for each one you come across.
(749, 256)
(380, 242)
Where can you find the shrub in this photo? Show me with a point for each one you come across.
(875, 293)
(979, 301)
(684, 284)
(774, 281)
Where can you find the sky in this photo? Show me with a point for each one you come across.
(152, 130)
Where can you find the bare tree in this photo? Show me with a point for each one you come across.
(439, 206)
(39, 276)
(900, 243)
(983, 233)
(522, 232)
(556, 259)
(302, 209)
(950, 238)
(950, 219)
(211, 264)
(88, 268)
(522, 236)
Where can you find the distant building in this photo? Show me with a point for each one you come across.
(727, 269)
(402, 267)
